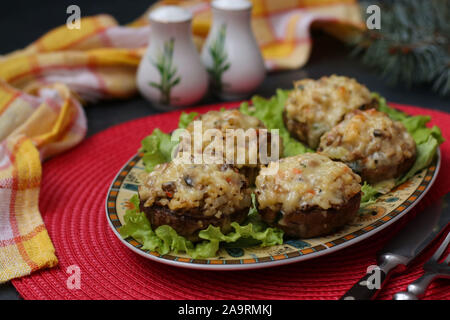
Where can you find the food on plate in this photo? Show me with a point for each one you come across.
(246, 144)
(307, 195)
(227, 119)
(315, 106)
(218, 206)
(373, 145)
(190, 197)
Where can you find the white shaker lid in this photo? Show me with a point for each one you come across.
(167, 14)
(232, 4)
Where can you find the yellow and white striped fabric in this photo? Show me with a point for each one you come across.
(43, 86)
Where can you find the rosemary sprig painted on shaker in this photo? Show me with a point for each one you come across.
(219, 58)
(167, 71)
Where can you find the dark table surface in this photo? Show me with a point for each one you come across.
(21, 22)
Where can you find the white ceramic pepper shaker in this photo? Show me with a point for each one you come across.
(171, 73)
(231, 54)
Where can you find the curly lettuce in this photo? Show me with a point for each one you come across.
(186, 119)
(165, 239)
(369, 194)
(270, 112)
(158, 147)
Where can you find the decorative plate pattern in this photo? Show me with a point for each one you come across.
(373, 218)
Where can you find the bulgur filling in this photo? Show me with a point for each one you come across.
(368, 139)
(237, 144)
(321, 104)
(227, 119)
(305, 181)
(214, 190)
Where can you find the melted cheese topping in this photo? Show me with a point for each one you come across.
(247, 146)
(305, 181)
(368, 139)
(227, 119)
(212, 189)
(321, 104)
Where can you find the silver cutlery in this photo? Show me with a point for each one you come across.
(433, 270)
(402, 249)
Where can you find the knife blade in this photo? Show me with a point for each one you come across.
(402, 249)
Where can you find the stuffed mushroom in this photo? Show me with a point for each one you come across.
(307, 195)
(316, 106)
(190, 197)
(373, 145)
(232, 137)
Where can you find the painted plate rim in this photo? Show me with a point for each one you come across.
(212, 264)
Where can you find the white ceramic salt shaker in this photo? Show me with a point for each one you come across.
(231, 54)
(171, 73)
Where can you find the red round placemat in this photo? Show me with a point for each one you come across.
(73, 192)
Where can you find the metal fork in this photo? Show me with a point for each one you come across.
(433, 270)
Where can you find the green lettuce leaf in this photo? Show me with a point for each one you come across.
(252, 232)
(394, 114)
(157, 148)
(425, 155)
(421, 135)
(270, 112)
(165, 239)
(137, 226)
(186, 119)
(369, 195)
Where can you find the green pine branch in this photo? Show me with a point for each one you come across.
(413, 45)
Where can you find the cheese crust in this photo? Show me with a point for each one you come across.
(196, 189)
(305, 181)
(315, 106)
(372, 144)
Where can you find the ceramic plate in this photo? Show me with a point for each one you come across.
(372, 219)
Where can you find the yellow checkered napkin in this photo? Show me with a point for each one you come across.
(43, 86)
